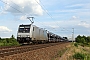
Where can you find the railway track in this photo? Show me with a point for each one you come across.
(6, 51)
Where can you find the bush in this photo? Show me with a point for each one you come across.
(79, 56)
(76, 44)
(8, 41)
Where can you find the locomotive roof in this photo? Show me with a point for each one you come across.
(25, 25)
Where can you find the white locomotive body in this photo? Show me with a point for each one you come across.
(31, 33)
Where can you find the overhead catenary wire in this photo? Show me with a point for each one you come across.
(10, 6)
(42, 6)
(44, 9)
(17, 9)
(25, 14)
(22, 12)
(47, 12)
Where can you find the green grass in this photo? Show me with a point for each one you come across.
(79, 56)
(84, 55)
(82, 44)
(1, 44)
(76, 44)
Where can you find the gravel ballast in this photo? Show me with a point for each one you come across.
(40, 54)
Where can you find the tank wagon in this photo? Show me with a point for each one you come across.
(33, 34)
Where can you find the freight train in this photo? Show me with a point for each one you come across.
(33, 34)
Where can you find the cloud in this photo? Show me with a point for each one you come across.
(23, 18)
(80, 5)
(2, 11)
(55, 27)
(75, 5)
(23, 7)
(74, 18)
(84, 24)
(4, 29)
(60, 23)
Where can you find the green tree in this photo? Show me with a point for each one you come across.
(78, 39)
(12, 37)
(79, 36)
(88, 39)
(4, 42)
(83, 40)
(0, 38)
(84, 37)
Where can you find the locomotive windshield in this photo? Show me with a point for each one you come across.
(24, 29)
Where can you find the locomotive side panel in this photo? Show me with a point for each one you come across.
(41, 34)
(45, 35)
(35, 33)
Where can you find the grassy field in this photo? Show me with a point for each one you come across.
(79, 52)
(75, 51)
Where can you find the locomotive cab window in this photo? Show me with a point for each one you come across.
(24, 29)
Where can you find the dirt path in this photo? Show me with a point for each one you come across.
(66, 54)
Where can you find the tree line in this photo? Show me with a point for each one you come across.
(82, 39)
(8, 41)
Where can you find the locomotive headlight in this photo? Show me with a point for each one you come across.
(19, 36)
(28, 36)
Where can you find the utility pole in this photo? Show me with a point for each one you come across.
(72, 34)
(31, 19)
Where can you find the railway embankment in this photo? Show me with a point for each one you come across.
(47, 53)
(76, 51)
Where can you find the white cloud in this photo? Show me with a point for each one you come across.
(54, 26)
(22, 7)
(75, 5)
(84, 24)
(83, 5)
(74, 17)
(4, 29)
(2, 11)
(61, 24)
(23, 18)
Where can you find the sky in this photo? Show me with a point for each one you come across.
(56, 16)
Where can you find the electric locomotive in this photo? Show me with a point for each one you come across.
(31, 34)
